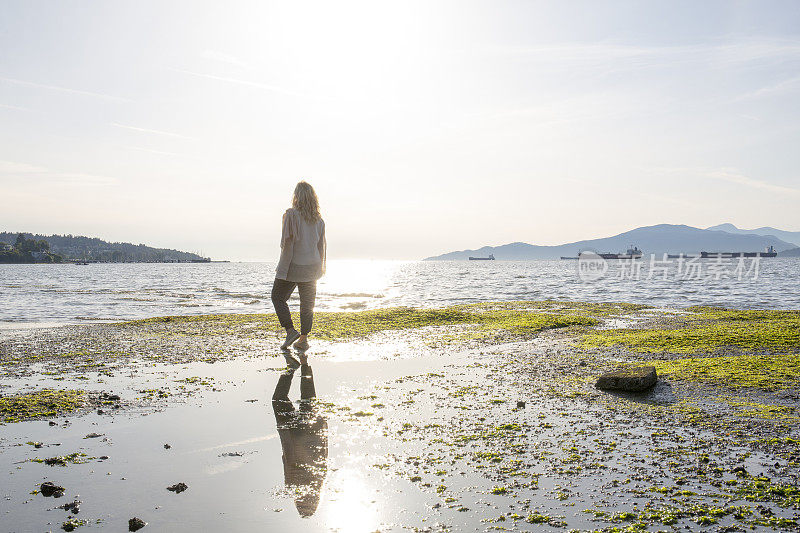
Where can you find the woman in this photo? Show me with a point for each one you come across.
(301, 264)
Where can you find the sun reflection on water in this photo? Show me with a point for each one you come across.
(350, 507)
(359, 279)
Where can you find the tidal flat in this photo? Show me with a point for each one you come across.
(479, 417)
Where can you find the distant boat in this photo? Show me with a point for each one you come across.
(490, 258)
(632, 253)
(770, 252)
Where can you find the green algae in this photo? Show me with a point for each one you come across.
(344, 325)
(40, 404)
(708, 330)
(73, 523)
(74, 458)
(762, 490)
(768, 372)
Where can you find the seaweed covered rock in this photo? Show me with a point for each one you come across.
(135, 524)
(630, 379)
(178, 487)
(48, 488)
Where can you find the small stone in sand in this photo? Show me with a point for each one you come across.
(521, 404)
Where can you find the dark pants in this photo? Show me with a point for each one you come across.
(282, 290)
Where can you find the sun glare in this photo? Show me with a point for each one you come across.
(351, 507)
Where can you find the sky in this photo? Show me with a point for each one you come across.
(425, 127)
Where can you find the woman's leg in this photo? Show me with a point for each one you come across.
(281, 291)
(308, 294)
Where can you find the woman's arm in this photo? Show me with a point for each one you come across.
(287, 246)
(322, 246)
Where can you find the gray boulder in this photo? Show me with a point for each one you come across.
(630, 379)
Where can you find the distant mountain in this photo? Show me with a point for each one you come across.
(659, 239)
(92, 249)
(792, 237)
(794, 252)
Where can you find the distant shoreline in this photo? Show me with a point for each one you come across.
(75, 262)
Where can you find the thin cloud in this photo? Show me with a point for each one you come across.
(15, 107)
(741, 179)
(647, 56)
(782, 87)
(216, 55)
(13, 169)
(729, 175)
(248, 83)
(150, 150)
(148, 130)
(64, 89)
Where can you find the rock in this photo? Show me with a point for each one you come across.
(167, 446)
(51, 423)
(740, 471)
(177, 488)
(70, 525)
(135, 524)
(74, 506)
(48, 488)
(521, 404)
(93, 435)
(631, 379)
(100, 412)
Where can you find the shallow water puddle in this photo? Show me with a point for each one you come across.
(223, 443)
(391, 435)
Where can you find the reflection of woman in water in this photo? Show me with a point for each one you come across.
(304, 439)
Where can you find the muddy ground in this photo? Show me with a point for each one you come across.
(423, 422)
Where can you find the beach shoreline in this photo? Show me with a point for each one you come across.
(474, 417)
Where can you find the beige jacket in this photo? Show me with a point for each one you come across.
(303, 248)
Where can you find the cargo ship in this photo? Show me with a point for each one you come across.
(490, 258)
(631, 253)
(769, 252)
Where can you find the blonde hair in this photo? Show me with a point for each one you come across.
(306, 202)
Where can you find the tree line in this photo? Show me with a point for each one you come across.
(80, 248)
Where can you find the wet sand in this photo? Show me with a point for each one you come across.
(419, 429)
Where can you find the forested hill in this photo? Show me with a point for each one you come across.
(76, 247)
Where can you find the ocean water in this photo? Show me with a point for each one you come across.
(58, 294)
